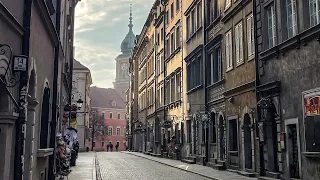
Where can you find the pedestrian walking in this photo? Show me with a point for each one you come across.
(108, 146)
(111, 146)
(117, 146)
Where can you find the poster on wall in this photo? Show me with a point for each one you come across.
(311, 106)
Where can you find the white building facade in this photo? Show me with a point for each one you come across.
(81, 81)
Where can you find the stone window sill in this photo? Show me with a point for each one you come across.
(44, 152)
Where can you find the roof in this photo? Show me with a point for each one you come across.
(79, 66)
(106, 98)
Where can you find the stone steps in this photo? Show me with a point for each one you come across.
(242, 173)
(216, 166)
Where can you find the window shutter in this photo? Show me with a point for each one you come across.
(237, 42)
(249, 36)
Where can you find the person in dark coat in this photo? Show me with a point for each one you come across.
(111, 146)
(117, 146)
(108, 146)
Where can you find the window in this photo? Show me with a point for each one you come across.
(178, 43)
(172, 13)
(291, 18)
(167, 91)
(162, 96)
(213, 10)
(110, 115)
(250, 36)
(314, 11)
(161, 63)
(102, 115)
(194, 73)
(193, 21)
(199, 15)
(178, 86)
(110, 130)
(119, 116)
(162, 31)
(213, 128)
(239, 43)
(172, 89)
(188, 27)
(271, 26)
(102, 144)
(215, 65)
(177, 6)
(118, 131)
(167, 18)
(229, 50)
(172, 45)
(228, 3)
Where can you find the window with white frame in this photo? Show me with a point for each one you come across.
(291, 18)
(178, 86)
(215, 65)
(271, 20)
(314, 12)
(110, 130)
(119, 116)
(118, 131)
(228, 42)
(239, 43)
(172, 12)
(250, 36)
(110, 115)
(193, 21)
(228, 3)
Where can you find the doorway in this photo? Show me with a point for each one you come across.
(293, 148)
(247, 142)
(221, 138)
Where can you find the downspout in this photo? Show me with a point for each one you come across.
(20, 123)
(85, 111)
(53, 123)
(257, 82)
(205, 79)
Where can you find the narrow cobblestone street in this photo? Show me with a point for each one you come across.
(116, 165)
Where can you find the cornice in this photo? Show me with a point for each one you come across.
(13, 22)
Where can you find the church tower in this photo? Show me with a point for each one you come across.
(122, 80)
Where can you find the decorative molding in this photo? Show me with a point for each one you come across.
(12, 21)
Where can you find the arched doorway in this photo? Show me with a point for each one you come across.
(247, 141)
(221, 138)
(45, 116)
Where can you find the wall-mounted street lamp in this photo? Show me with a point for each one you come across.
(79, 103)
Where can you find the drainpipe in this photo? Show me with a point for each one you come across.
(21, 122)
(257, 82)
(53, 123)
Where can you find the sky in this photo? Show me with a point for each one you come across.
(100, 27)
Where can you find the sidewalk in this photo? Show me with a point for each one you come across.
(85, 167)
(194, 168)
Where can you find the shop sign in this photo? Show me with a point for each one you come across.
(311, 106)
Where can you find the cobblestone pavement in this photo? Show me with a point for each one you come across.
(193, 168)
(116, 166)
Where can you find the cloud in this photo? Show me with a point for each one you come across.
(100, 27)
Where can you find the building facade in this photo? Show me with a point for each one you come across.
(111, 107)
(287, 43)
(215, 83)
(37, 30)
(81, 81)
(240, 100)
(242, 107)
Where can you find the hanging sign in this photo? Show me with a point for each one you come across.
(311, 106)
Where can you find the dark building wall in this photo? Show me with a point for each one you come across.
(294, 63)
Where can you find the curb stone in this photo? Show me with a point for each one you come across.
(96, 172)
(194, 172)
